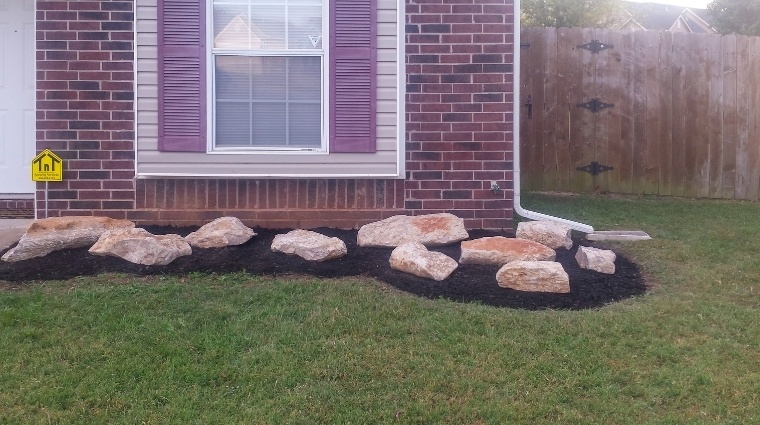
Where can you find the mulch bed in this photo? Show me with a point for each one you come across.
(469, 283)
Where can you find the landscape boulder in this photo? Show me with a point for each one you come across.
(52, 234)
(414, 258)
(534, 276)
(429, 230)
(499, 250)
(600, 260)
(141, 247)
(554, 235)
(224, 231)
(311, 246)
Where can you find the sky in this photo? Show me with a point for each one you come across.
(686, 3)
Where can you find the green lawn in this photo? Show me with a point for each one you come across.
(244, 349)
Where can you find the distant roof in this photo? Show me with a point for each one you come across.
(654, 16)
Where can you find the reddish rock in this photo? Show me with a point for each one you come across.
(429, 230)
(554, 235)
(600, 260)
(499, 250)
(52, 234)
(414, 258)
(534, 276)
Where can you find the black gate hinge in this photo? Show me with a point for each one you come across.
(596, 46)
(595, 105)
(595, 168)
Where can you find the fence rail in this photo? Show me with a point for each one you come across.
(677, 114)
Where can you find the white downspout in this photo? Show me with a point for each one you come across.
(516, 141)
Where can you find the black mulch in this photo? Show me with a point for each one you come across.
(469, 283)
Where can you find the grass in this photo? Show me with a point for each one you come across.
(245, 349)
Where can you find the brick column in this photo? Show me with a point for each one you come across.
(459, 109)
(85, 94)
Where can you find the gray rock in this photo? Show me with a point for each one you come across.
(549, 233)
(311, 246)
(534, 276)
(52, 234)
(429, 230)
(414, 258)
(499, 250)
(618, 235)
(600, 260)
(141, 247)
(224, 231)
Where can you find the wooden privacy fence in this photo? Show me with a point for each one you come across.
(642, 112)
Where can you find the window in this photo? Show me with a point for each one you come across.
(268, 74)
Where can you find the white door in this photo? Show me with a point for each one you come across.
(17, 109)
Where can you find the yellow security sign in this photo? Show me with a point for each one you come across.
(47, 167)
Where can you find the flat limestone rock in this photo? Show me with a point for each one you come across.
(429, 230)
(414, 258)
(600, 260)
(534, 276)
(52, 234)
(618, 235)
(224, 231)
(499, 250)
(141, 247)
(554, 235)
(311, 246)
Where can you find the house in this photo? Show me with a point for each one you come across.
(663, 17)
(302, 113)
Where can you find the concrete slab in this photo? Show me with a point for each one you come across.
(618, 235)
(11, 230)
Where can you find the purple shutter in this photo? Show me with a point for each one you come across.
(353, 75)
(182, 75)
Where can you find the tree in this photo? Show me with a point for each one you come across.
(570, 13)
(736, 16)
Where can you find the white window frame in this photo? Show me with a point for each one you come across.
(211, 54)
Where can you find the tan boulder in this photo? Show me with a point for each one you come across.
(429, 230)
(141, 247)
(499, 250)
(52, 234)
(311, 246)
(224, 231)
(554, 235)
(534, 276)
(600, 260)
(414, 258)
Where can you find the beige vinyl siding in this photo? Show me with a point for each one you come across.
(386, 162)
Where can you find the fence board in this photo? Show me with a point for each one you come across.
(685, 120)
(612, 93)
(679, 63)
(625, 109)
(754, 123)
(701, 139)
(639, 112)
(691, 100)
(747, 117)
(538, 107)
(550, 112)
(742, 124)
(653, 119)
(565, 54)
(665, 113)
(578, 181)
(715, 107)
(729, 130)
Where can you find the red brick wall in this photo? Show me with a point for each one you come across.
(85, 99)
(459, 136)
(274, 203)
(459, 109)
(16, 208)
